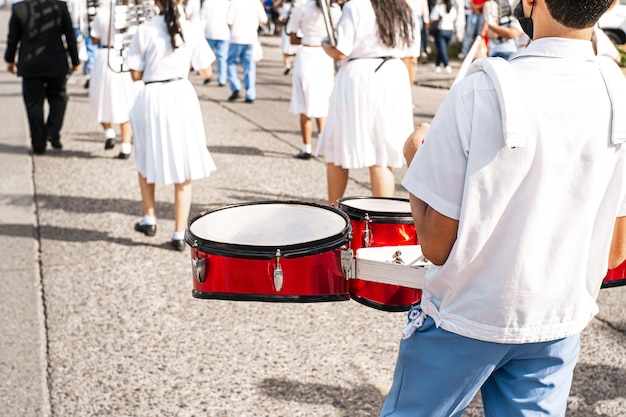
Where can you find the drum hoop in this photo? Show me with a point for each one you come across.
(375, 216)
(614, 283)
(312, 247)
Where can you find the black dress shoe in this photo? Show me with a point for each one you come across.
(39, 151)
(86, 84)
(303, 155)
(56, 143)
(123, 155)
(146, 229)
(206, 81)
(178, 244)
(234, 96)
(287, 70)
(110, 143)
(249, 100)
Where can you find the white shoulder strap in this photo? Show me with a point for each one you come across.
(616, 87)
(510, 97)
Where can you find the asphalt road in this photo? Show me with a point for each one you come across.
(97, 320)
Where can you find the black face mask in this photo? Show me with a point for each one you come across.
(525, 22)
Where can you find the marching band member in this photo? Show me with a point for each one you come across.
(515, 201)
(371, 111)
(111, 93)
(314, 71)
(170, 142)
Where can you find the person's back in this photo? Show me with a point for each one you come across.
(42, 51)
(516, 191)
(534, 214)
(244, 18)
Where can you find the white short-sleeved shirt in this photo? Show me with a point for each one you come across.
(446, 18)
(357, 33)
(308, 19)
(244, 18)
(535, 222)
(100, 25)
(214, 14)
(150, 51)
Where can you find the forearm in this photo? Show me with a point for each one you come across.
(617, 254)
(436, 232)
(332, 52)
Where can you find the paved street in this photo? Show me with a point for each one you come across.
(97, 320)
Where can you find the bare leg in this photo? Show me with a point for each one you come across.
(147, 196)
(127, 133)
(105, 126)
(182, 205)
(383, 181)
(337, 178)
(320, 124)
(306, 128)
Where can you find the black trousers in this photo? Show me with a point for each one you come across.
(35, 90)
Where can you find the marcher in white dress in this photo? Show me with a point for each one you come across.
(111, 93)
(314, 71)
(371, 109)
(170, 142)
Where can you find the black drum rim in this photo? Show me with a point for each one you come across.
(377, 216)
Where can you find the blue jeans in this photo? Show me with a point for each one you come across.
(441, 42)
(239, 52)
(438, 373)
(473, 27)
(220, 47)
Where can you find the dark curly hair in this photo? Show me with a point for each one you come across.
(394, 19)
(577, 14)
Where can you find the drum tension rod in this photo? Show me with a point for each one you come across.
(278, 273)
(367, 234)
(198, 264)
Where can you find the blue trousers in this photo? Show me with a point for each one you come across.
(242, 53)
(220, 47)
(442, 40)
(438, 373)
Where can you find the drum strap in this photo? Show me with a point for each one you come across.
(512, 103)
(510, 97)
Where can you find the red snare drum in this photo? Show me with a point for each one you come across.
(381, 221)
(615, 277)
(269, 251)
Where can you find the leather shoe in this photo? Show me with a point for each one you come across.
(123, 155)
(303, 155)
(110, 143)
(249, 100)
(146, 229)
(178, 244)
(39, 151)
(56, 143)
(234, 96)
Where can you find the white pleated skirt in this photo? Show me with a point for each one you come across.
(168, 131)
(312, 82)
(111, 94)
(370, 115)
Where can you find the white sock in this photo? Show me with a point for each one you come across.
(307, 148)
(109, 133)
(126, 147)
(178, 235)
(151, 220)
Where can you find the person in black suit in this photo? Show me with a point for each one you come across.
(42, 31)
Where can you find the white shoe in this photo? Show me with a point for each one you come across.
(438, 69)
(461, 55)
(448, 70)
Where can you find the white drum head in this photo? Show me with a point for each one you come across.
(268, 224)
(378, 205)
